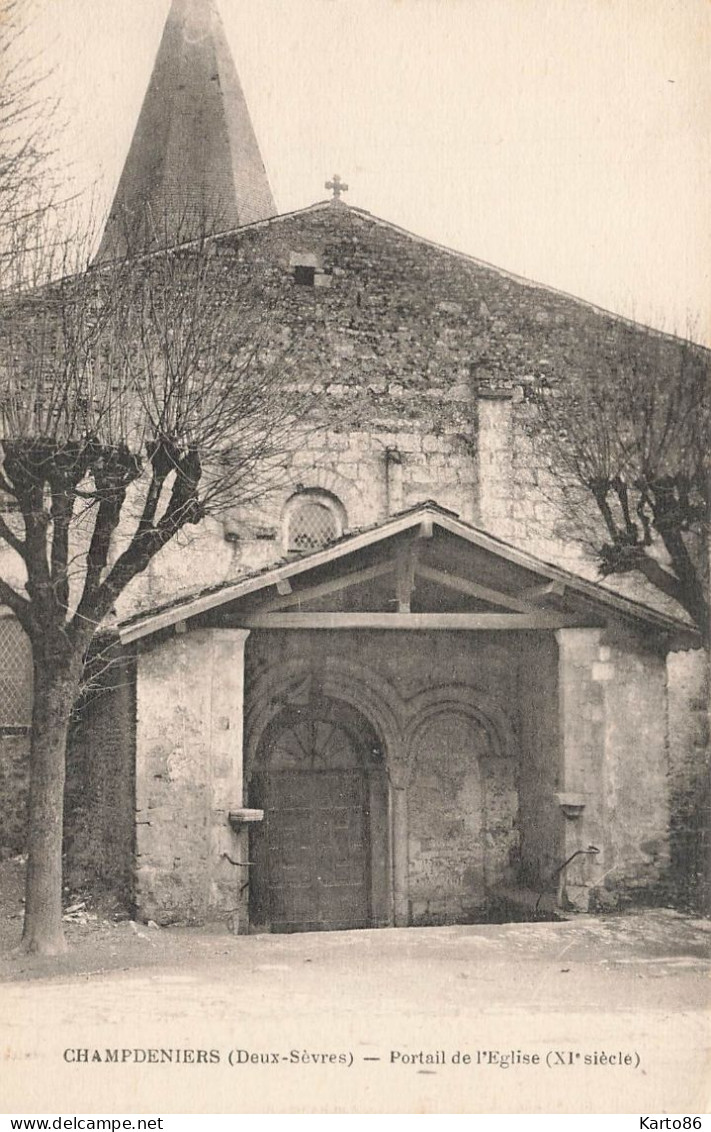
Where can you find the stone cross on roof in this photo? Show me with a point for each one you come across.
(338, 186)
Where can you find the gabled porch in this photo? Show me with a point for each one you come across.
(421, 713)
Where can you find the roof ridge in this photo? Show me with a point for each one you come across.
(467, 257)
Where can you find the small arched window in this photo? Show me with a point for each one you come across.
(312, 520)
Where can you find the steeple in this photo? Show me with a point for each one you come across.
(194, 162)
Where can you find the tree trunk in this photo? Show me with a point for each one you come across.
(56, 686)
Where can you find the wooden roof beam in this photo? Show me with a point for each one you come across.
(538, 593)
(475, 589)
(324, 589)
(407, 564)
(411, 621)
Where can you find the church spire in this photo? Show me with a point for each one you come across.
(194, 162)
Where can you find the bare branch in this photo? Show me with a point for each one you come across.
(19, 605)
(12, 540)
(636, 436)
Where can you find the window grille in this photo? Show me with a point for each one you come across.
(312, 525)
(15, 675)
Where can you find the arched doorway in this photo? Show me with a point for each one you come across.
(320, 857)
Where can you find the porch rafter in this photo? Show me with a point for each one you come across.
(475, 589)
(325, 589)
(539, 593)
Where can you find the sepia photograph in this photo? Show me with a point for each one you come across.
(355, 555)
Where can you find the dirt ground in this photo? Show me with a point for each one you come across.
(657, 941)
(406, 1006)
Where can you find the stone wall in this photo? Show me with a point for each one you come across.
(462, 818)
(189, 737)
(430, 354)
(689, 777)
(422, 352)
(14, 780)
(411, 348)
(614, 776)
(540, 771)
(99, 829)
(637, 801)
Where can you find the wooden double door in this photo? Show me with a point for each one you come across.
(318, 856)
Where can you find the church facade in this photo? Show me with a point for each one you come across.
(392, 692)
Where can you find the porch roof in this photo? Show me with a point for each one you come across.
(422, 569)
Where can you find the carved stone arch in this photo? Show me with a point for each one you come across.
(345, 680)
(344, 684)
(324, 477)
(462, 799)
(464, 700)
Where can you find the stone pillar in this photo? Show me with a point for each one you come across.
(582, 745)
(495, 455)
(189, 736)
(399, 853)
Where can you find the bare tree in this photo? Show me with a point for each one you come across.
(136, 397)
(628, 445)
(28, 123)
(22, 151)
(633, 437)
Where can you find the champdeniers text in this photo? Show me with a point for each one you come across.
(168, 1056)
(84, 1055)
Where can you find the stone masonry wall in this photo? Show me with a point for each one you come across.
(189, 737)
(486, 736)
(402, 342)
(172, 781)
(636, 785)
(446, 712)
(689, 776)
(99, 830)
(614, 786)
(14, 780)
(463, 819)
(540, 820)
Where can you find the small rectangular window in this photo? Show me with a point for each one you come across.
(304, 275)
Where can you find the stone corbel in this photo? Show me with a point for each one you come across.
(571, 804)
(238, 818)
